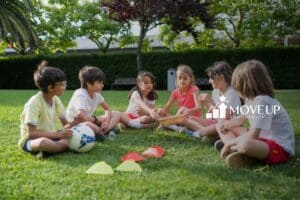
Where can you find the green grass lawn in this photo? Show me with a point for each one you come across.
(189, 169)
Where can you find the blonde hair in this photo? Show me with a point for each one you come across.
(251, 78)
(187, 70)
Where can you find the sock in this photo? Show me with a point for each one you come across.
(28, 146)
(174, 127)
(197, 134)
(135, 123)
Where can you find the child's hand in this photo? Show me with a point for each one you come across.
(100, 120)
(187, 112)
(141, 112)
(77, 120)
(154, 115)
(161, 112)
(108, 114)
(181, 111)
(65, 134)
(80, 117)
(224, 126)
(204, 98)
(104, 124)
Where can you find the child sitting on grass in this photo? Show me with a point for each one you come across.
(185, 95)
(270, 137)
(38, 131)
(140, 112)
(85, 101)
(220, 79)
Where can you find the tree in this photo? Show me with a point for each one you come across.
(188, 16)
(96, 26)
(60, 22)
(54, 25)
(146, 12)
(255, 22)
(241, 24)
(149, 13)
(16, 27)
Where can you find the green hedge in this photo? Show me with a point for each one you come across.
(284, 65)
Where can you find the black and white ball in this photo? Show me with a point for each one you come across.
(83, 139)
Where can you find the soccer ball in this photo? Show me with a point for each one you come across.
(83, 139)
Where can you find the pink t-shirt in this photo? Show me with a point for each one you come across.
(186, 99)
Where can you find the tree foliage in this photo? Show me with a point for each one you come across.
(150, 13)
(242, 23)
(60, 22)
(16, 27)
(255, 22)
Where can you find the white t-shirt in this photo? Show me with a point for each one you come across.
(267, 114)
(82, 101)
(133, 103)
(232, 97)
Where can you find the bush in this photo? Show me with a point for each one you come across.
(283, 63)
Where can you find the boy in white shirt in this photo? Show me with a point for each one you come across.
(86, 99)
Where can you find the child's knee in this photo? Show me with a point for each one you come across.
(40, 144)
(244, 146)
(116, 114)
(135, 123)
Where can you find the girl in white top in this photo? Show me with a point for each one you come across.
(270, 137)
(220, 78)
(141, 112)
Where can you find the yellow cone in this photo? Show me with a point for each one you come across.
(129, 166)
(100, 168)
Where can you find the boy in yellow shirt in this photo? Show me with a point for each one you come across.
(38, 131)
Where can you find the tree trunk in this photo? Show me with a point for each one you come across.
(107, 45)
(140, 46)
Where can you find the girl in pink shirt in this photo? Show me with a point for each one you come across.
(186, 95)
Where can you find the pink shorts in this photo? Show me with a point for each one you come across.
(131, 116)
(276, 153)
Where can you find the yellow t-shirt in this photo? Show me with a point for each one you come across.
(38, 113)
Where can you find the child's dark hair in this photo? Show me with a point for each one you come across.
(218, 69)
(90, 74)
(46, 76)
(152, 94)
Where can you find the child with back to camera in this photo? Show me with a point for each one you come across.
(141, 111)
(220, 79)
(85, 101)
(185, 95)
(38, 130)
(270, 137)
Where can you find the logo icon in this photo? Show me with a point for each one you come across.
(218, 111)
